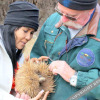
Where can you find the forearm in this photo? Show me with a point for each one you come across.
(85, 78)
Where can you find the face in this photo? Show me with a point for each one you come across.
(22, 36)
(73, 18)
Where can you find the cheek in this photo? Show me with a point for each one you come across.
(64, 19)
(20, 36)
(17, 40)
(82, 21)
(31, 36)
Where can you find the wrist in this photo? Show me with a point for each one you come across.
(73, 79)
(72, 73)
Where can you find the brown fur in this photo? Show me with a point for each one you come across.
(31, 78)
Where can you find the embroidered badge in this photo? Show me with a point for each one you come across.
(85, 57)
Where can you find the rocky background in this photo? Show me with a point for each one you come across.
(46, 8)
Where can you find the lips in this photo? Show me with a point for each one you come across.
(23, 43)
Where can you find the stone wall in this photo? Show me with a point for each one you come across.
(46, 8)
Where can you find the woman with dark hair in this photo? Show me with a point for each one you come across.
(19, 26)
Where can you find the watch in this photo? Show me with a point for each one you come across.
(73, 79)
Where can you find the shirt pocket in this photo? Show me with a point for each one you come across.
(50, 36)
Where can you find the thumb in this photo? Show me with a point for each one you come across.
(59, 23)
(55, 71)
(27, 58)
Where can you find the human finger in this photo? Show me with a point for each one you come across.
(16, 90)
(53, 66)
(55, 71)
(34, 60)
(39, 95)
(45, 95)
(43, 58)
(27, 97)
(17, 95)
(22, 96)
(50, 67)
(27, 58)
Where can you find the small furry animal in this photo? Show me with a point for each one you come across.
(31, 78)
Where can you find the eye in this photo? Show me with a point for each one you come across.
(32, 32)
(25, 31)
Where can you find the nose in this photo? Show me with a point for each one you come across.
(28, 37)
(64, 19)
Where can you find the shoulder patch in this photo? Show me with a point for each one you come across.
(85, 57)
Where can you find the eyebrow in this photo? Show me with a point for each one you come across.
(30, 29)
(67, 14)
(73, 15)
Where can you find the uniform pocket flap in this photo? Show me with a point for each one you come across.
(51, 30)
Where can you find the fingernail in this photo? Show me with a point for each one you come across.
(37, 61)
(41, 91)
(47, 91)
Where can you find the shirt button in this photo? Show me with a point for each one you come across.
(58, 53)
(52, 31)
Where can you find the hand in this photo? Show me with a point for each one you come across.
(42, 58)
(63, 69)
(26, 97)
(23, 96)
(39, 96)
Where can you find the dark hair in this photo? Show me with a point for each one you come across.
(9, 43)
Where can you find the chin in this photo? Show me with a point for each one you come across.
(74, 27)
(20, 48)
